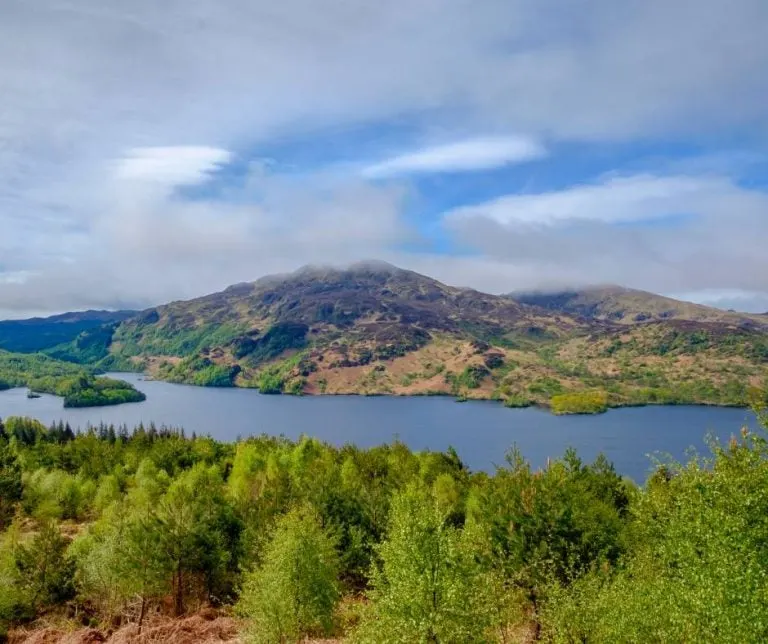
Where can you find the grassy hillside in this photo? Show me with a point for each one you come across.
(37, 334)
(376, 329)
(78, 385)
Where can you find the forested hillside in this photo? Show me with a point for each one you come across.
(37, 334)
(109, 530)
(78, 385)
(378, 329)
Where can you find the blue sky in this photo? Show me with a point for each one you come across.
(156, 151)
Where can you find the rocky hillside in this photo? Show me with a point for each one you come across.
(375, 328)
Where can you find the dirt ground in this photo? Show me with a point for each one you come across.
(203, 628)
(206, 627)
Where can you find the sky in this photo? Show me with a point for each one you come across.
(154, 151)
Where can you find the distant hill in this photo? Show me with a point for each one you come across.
(37, 334)
(377, 329)
(621, 305)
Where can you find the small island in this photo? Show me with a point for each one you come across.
(100, 392)
(78, 385)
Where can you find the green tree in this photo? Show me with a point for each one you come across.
(11, 487)
(429, 586)
(552, 524)
(45, 569)
(199, 533)
(294, 591)
(120, 561)
(14, 601)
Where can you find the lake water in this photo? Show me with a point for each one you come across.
(480, 431)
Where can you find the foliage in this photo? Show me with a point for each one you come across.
(278, 339)
(18, 369)
(284, 377)
(77, 385)
(285, 529)
(36, 573)
(198, 533)
(580, 402)
(547, 386)
(88, 347)
(470, 378)
(294, 591)
(120, 558)
(516, 402)
(197, 370)
(552, 524)
(10, 479)
(429, 586)
(101, 391)
(696, 570)
(182, 338)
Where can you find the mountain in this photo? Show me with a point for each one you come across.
(377, 329)
(629, 306)
(368, 301)
(37, 334)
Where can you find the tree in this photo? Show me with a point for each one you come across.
(46, 571)
(429, 586)
(11, 487)
(120, 559)
(552, 524)
(199, 533)
(295, 590)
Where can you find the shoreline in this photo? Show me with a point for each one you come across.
(439, 394)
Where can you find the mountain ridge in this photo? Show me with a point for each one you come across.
(41, 333)
(625, 305)
(374, 328)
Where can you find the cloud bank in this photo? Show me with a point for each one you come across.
(132, 139)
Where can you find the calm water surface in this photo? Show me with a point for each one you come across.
(481, 432)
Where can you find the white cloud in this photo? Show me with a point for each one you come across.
(14, 277)
(462, 156)
(146, 249)
(176, 165)
(86, 212)
(572, 238)
(613, 199)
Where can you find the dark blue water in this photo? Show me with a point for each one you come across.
(481, 432)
